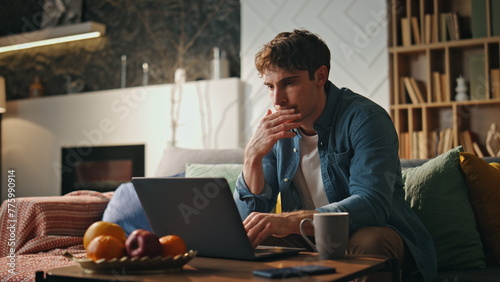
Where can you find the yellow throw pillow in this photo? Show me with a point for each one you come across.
(483, 183)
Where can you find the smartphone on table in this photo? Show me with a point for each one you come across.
(295, 271)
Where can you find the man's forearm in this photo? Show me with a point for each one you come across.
(253, 174)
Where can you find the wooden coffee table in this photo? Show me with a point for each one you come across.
(211, 269)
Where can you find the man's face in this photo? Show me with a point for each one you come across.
(294, 89)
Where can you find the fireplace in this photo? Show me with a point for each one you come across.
(100, 168)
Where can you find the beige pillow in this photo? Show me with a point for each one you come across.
(174, 159)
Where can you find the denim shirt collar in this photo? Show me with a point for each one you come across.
(332, 97)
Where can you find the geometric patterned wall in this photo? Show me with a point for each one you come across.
(354, 30)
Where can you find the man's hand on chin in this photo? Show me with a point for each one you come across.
(259, 226)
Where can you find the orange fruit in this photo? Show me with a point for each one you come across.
(172, 245)
(105, 247)
(103, 228)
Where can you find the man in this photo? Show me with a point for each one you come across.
(326, 149)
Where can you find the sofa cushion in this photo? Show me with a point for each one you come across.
(483, 182)
(228, 171)
(437, 192)
(174, 159)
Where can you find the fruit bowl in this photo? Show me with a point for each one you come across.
(135, 265)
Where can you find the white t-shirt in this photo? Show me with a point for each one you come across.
(308, 177)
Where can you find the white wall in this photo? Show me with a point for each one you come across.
(355, 31)
(35, 130)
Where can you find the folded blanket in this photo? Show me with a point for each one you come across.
(28, 218)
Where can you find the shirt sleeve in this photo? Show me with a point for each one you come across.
(372, 171)
(247, 202)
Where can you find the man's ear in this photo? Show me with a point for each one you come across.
(321, 76)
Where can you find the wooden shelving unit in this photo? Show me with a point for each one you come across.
(431, 44)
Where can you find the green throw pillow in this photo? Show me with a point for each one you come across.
(437, 192)
(228, 171)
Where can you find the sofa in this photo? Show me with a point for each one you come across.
(43, 228)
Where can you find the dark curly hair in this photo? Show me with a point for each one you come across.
(297, 50)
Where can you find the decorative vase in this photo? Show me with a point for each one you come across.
(180, 76)
(461, 89)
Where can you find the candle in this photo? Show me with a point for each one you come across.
(124, 71)
(216, 63)
(145, 74)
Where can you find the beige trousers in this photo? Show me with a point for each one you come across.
(380, 241)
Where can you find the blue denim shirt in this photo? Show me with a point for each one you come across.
(361, 172)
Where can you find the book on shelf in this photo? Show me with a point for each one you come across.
(477, 150)
(449, 139)
(477, 77)
(427, 28)
(445, 140)
(428, 145)
(465, 139)
(404, 145)
(449, 26)
(434, 30)
(440, 143)
(405, 31)
(415, 30)
(418, 90)
(432, 150)
(402, 92)
(437, 87)
(408, 146)
(414, 145)
(418, 145)
(411, 90)
(422, 145)
(445, 86)
(455, 26)
(443, 31)
(495, 17)
(495, 83)
(478, 18)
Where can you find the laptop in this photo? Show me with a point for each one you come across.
(201, 211)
